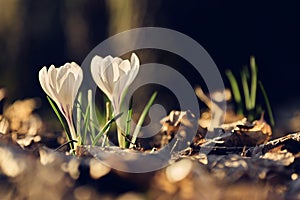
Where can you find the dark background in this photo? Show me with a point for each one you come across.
(34, 34)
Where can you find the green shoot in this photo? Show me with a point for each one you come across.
(128, 122)
(85, 124)
(91, 113)
(236, 91)
(246, 89)
(142, 119)
(78, 112)
(105, 129)
(63, 123)
(249, 92)
(107, 118)
(121, 138)
(268, 105)
(253, 81)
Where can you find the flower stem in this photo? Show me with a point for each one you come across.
(72, 130)
(121, 138)
(90, 102)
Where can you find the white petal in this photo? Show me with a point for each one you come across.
(61, 71)
(62, 74)
(132, 74)
(74, 68)
(78, 79)
(125, 66)
(77, 71)
(108, 76)
(45, 83)
(52, 74)
(117, 60)
(135, 66)
(120, 89)
(96, 67)
(135, 62)
(61, 81)
(118, 92)
(66, 93)
(43, 78)
(116, 74)
(105, 65)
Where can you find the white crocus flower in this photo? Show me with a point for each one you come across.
(113, 76)
(62, 85)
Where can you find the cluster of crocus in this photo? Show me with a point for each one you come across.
(112, 75)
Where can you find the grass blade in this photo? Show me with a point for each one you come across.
(128, 122)
(107, 117)
(244, 75)
(269, 109)
(78, 113)
(91, 113)
(235, 91)
(86, 124)
(105, 128)
(142, 119)
(253, 81)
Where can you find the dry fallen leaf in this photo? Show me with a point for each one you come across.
(250, 134)
(175, 124)
(2, 93)
(4, 125)
(22, 123)
(281, 156)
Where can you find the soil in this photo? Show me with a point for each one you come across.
(266, 171)
(239, 160)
